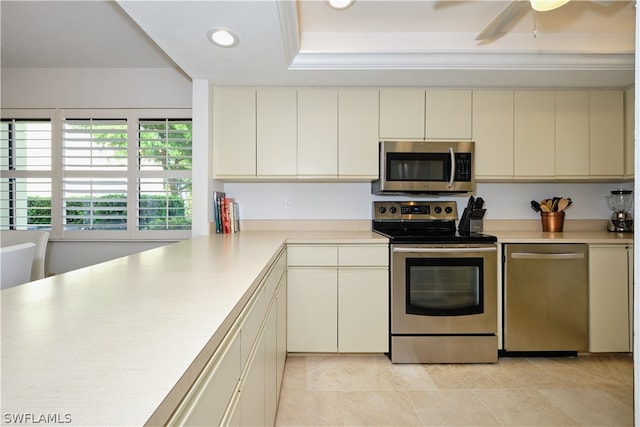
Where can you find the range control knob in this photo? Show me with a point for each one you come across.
(438, 210)
(382, 209)
(392, 209)
(448, 209)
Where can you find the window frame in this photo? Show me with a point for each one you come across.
(132, 173)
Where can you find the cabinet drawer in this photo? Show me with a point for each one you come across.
(252, 319)
(312, 255)
(207, 401)
(363, 255)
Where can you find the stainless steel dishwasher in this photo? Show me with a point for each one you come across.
(546, 298)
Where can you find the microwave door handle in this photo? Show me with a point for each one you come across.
(453, 167)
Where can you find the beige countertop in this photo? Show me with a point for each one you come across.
(586, 236)
(119, 343)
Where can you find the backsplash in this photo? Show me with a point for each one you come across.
(352, 201)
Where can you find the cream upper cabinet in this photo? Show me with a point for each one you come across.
(402, 114)
(317, 133)
(276, 143)
(234, 133)
(493, 133)
(358, 133)
(629, 139)
(534, 134)
(448, 114)
(606, 129)
(572, 134)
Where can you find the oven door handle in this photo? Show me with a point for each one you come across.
(445, 250)
(453, 167)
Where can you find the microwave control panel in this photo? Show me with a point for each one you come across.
(463, 167)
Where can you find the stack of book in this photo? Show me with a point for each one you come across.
(225, 213)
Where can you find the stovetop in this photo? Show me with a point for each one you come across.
(422, 222)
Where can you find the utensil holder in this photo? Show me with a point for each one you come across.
(552, 221)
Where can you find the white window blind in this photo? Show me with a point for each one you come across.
(94, 185)
(97, 174)
(164, 168)
(25, 174)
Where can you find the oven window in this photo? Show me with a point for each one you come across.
(418, 167)
(444, 286)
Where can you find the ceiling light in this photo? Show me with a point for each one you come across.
(546, 5)
(341, 4)
(222, 37)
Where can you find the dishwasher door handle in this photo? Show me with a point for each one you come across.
(547, 256)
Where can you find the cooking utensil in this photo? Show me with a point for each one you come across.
(563, 204)
(535, 206)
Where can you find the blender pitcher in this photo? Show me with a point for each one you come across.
(620, 202)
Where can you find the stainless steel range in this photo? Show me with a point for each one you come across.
(443, 296)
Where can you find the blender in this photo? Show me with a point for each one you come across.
(620, 201)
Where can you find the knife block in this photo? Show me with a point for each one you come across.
(468, 225)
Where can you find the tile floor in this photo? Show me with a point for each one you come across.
(367, 390)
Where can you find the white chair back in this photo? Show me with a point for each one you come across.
(15, 264)
(40, 238)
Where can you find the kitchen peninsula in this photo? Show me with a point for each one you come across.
(120, 343)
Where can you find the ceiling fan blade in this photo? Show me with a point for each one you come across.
(504, 20)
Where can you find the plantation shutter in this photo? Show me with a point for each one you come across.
(95, 174)
(25, 174)
(164, 174)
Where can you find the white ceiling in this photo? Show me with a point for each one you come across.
(306, 43)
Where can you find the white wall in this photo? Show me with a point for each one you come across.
(353, 200)
(94, 88)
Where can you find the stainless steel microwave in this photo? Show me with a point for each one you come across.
(425, 167)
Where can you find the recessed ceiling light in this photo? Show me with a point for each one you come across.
(223, 37)
(341, 4)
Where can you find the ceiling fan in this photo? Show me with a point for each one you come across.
(515, 9)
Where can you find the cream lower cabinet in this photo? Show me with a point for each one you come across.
(338, 298)
(610, 288)
(240, 384)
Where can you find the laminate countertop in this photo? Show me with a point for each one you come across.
(119, 343)
(587, 236)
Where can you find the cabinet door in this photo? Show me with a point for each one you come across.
(493, 133)
(534, 134)
(234, 133)
(312, 310)
(252, 390)
(271, 365)
(276, 143)
(630, 262)
(606, 131)
(448, 114)
(282, 331)
(608, 299)
(363, 310)
(402, 113)
(572, 134)
(358, 134)
(317, 133)
(629, 129)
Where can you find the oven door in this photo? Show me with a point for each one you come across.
(444, 289)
